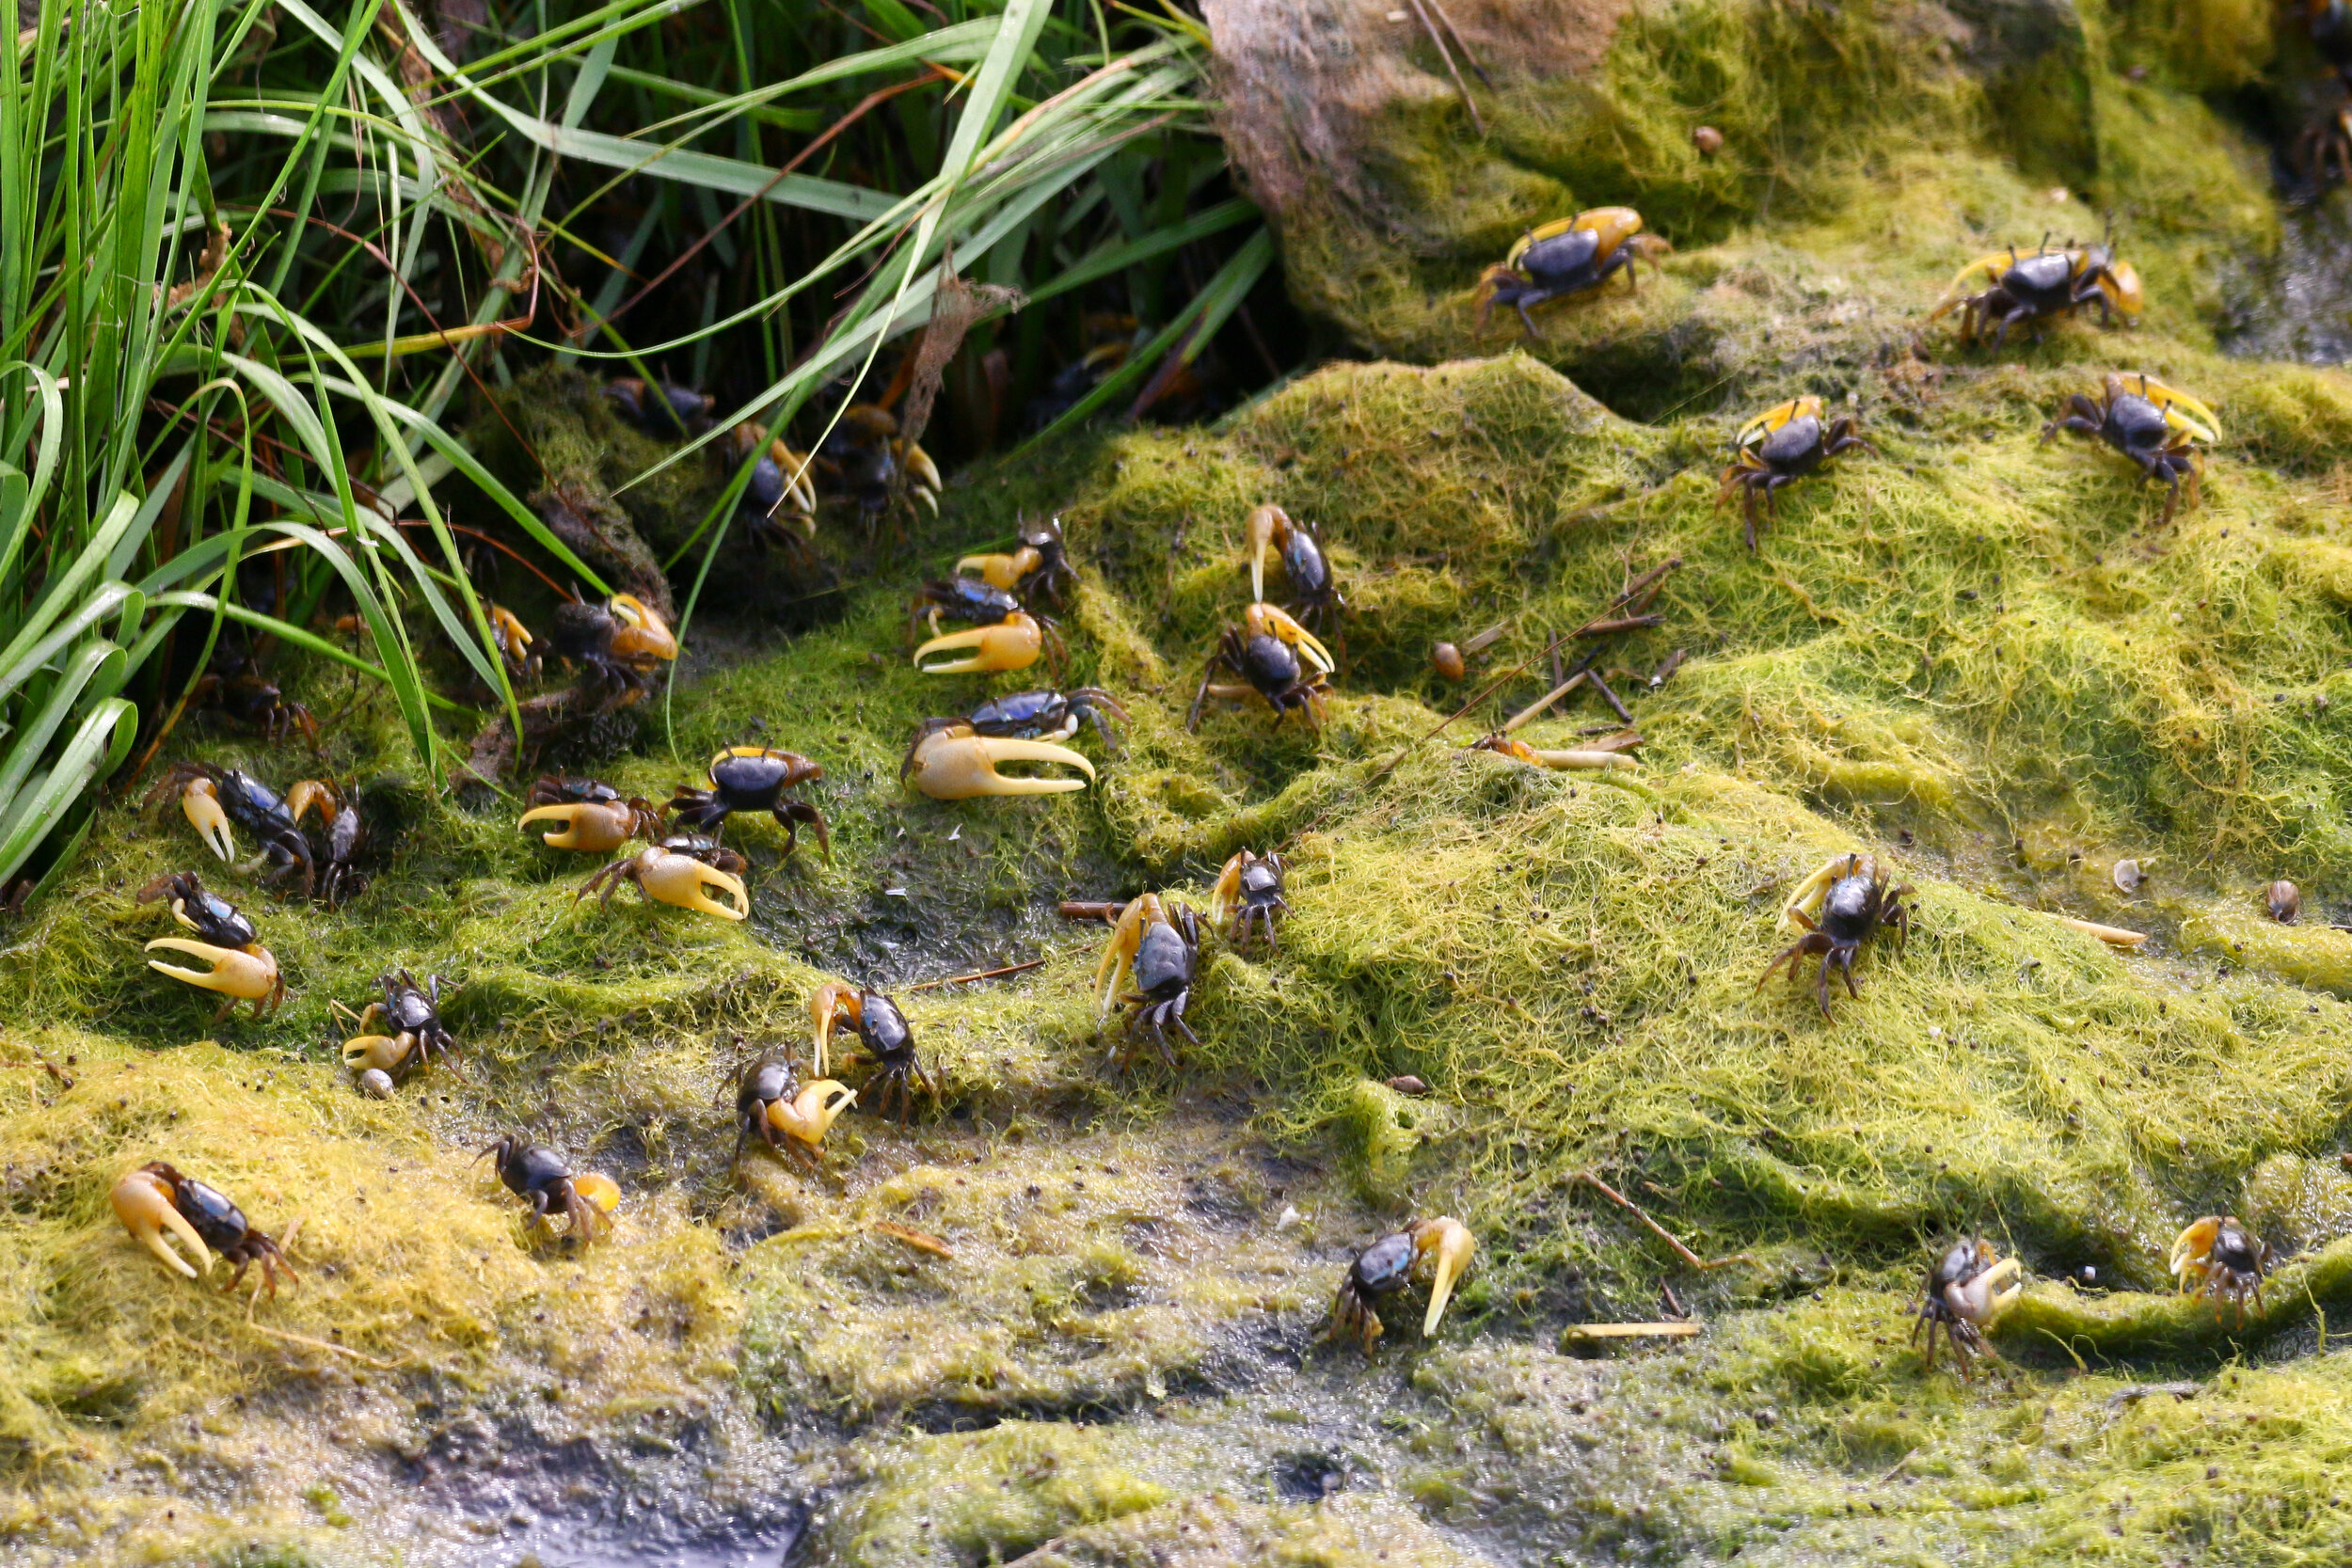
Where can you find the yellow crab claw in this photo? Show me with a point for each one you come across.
(1119, 953)
(1773, 419)
(1012, 643)
(799, 489)
(1447, 1240)
(919, 464)
(2191, 1248)
(599, 1190)
(1982, 1297)
(381, 1051)
(242, 973)
(2181, 411)
(1266, 524)
(1807, 897)
(2124, 292)
(808, 1115)
(952, 766)
(682, 880)
(593, 826)
(643, 633)
(203, 808)
(1264, 620)
(143, 1204)
(831, 999)
(1000, 571)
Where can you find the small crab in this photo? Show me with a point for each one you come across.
(1517, 749)
(545, 1179)
(755, 779)
(618, 646)
(1440, 1248)
(1781, 445)
(1854, 904)
(1163, 951)
(413, 1013)
(242, 970)
(211, 797)
(1249, 890)
(1278, 659)
(155, 1198)
(1003, 636)
(1568, 255)
(1311, 588)
(864, 457)
(2149, 422)
(661, 410)
(595, 819)
(2040, 285)
(345, 838)
(779, 485)
(771, 1104)
(876, 1020)
(1966, 1288)
(235, 686)
(2217, 1257)
(680, 870)
(1041, 566)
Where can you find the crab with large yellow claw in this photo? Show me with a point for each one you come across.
(1303, 562)
(783, 1112)
(864, 457)
(683, 870)
(2039, 285)
(780, 486)
(618, 646)
(1966, 1288)
(2219, 1258)
(156, 1198)
(545, 1180)
(1852, 903)
(1041, 566)
(1440, 1248)
(1568, 255)
(878, 1024)
(1565, 761)
(242, 970)
(1161, 951)
(2156, 426)
(596, 820)
(212, 797)
(1248, 895)
(950, 761)
(513, 641)
(1279, 660)
(1779, 447)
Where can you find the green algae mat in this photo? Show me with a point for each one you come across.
(1073, 1314)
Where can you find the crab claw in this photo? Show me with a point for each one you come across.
(203, 808)
(1806, 900)
(1012, 643)
(1266, 524)
(383, 1053)
(1118, 955)
(599, 1190)
(828, 1004)
(593, 826)
(998, 571)
(311, 792)
(2191, 1248)
(1980, 1298)
(143, 1204)
(808, 1115)
(924, 473)
(682, 880)
(1449, 1241)
(240, 973)
(949, 766)
(1264, 620)
(643, 633)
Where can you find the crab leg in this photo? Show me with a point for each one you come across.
(201, 803)
(146, 1211)
(950, 767)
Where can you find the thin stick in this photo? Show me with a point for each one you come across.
(1103, 909)
(1684, 1330)
(1438, 11)
(1555, 659)
(1662, 1233)
(1545, 700)
(320, 1344)
(1646, 586)
(1603, 686)
(1628, 623)
(1446, 54)
(980, 975)
(2114, 936)
(1485, 639)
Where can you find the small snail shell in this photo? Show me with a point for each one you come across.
(1447, 658)
(2286, 900)
(1408, 1085)
(1708, 140)
(2128, 875)
(377, 1084)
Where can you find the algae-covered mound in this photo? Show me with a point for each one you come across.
(1072, 1310)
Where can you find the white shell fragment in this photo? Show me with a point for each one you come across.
(377, 1084)
(2128, 875)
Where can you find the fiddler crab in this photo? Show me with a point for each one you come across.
(1311, 588)
(1517, 749)
(2040, 285)
(1249, 892)
(413, 1013)
(779, 483)
(1161, 951)
(1781, 445)
(596, 820)
(771, 1104)
(1004, 635)
(864, 456)
(660, 409)
(882, 1028)
(1278, 660)
(212, 797)
(545, 1180)
(156, 1198)
(337, 874)
(2219, 1258)
(236, 686)
(1440, 1248)
(2149, 422)
(242, 970)
(754, 778)
(682, 870)
(511, 639)
(955, 759)
(1966, 1288)
(1041, 566)
(618, 646)
(1852, 903)
(1568, 255)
